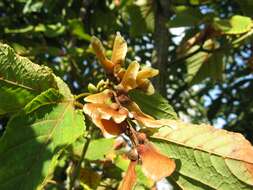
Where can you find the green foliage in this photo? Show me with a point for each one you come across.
(154, 105)
(203, 65)
(42, 132)
(235, 25)
(185, 16)
(20, 80)
(105, 146)
(142, 18)
(34, 140)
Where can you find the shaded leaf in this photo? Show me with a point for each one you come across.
(142, 18)
(246, 6)
(206, 66)
(34, 138)
(186, 16)
(154, 105)
(212, 157)
(90, 178)
(202, 64)
(77, 28)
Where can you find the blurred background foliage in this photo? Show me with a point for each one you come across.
(203, 48)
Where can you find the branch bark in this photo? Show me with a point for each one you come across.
(161, 38)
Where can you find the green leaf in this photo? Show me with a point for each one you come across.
(142, 18)
(25, 29)
(77, 28)
(186, 16)
(34, 138)
(20, 80)
(97, 149)
(154, 105)
(32, 6)
(46, 98)
(50, 30)
(237, 24)
(206, 156)
(203, 65)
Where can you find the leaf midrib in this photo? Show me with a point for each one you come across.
(14, 83)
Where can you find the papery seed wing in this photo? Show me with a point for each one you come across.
(130, 177)
(100, 53)
(147, 72)
(100, 98)
(154, 164)
(119, 50)
(111, 129)
(129, 80)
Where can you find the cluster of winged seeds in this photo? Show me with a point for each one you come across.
(114, 113)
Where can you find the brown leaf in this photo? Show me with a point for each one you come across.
(105, 112)
(154, 164)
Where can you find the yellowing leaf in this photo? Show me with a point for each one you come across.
(208, 156)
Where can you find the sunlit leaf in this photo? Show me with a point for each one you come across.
(34, 138)
(235, 25)
(154, 105)
(20, 80)
(213, 157)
